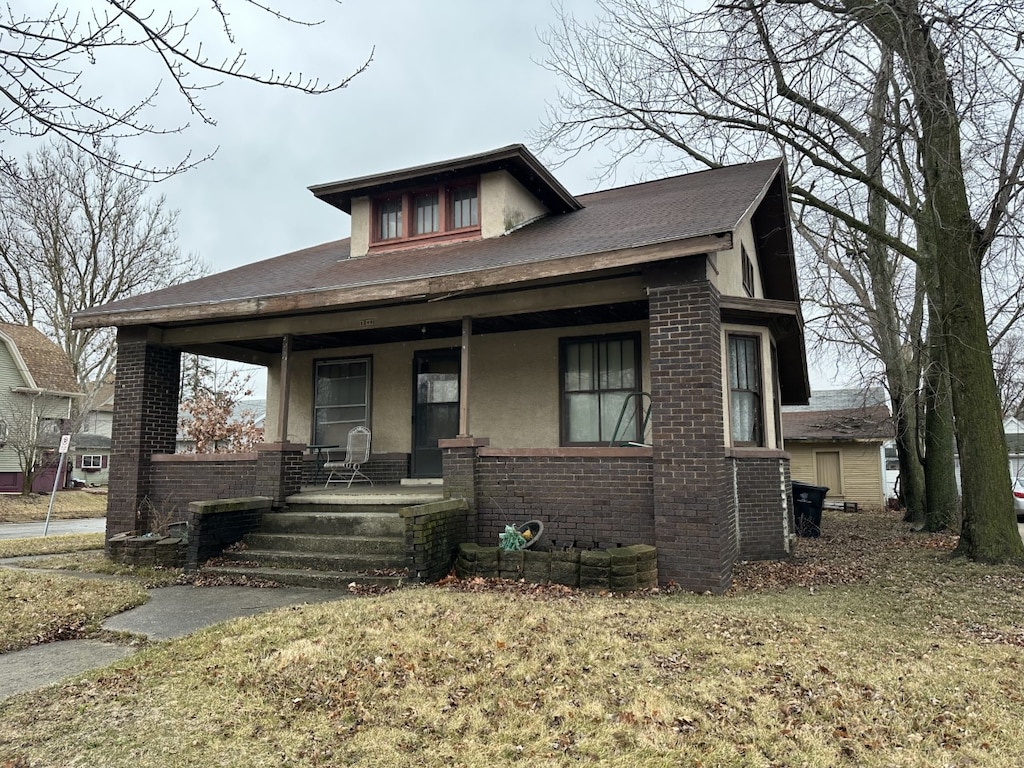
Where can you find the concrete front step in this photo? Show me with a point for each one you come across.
(302, 578)
(338, 545)
(330, 523)
(318, 561)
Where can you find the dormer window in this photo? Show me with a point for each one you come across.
(439, 211)
(389, 217)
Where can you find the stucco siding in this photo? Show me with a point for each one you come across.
(730, 264)
(514, 391)
(505, 204)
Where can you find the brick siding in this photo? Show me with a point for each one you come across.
(585, 502)
(764, 504)
(694, 514)
(145, 423)
(178, 480)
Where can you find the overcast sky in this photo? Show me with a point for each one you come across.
(447, 79)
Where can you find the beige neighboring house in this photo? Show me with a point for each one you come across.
(37, 394)
(837, 441)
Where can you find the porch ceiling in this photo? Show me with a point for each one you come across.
(448, 329)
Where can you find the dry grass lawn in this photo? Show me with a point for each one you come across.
(870, 648)
(40, 608)
(15, 508)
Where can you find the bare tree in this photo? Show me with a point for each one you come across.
(211, 419)
(941, 154)
(47, 51)
(75, 233)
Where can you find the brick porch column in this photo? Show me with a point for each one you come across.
(694, 518)
(278, 470)
(458, 468)
(145, 422)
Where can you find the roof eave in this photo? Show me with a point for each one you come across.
(406, 290)
(516, 158)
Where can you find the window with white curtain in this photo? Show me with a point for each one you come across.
(746, 407)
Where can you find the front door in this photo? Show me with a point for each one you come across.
(435, 411)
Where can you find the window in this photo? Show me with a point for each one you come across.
(427, 211)
(389, 219)
(92, 462)
(3, 432)
(746, 412)
(342, 399)
(464, 208)
(598, 374)
(432, 212)
(748, 272)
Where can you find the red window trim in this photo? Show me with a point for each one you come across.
(446, 231)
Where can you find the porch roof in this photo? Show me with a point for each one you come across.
(626, 226)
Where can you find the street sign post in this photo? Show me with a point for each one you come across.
(65, 443)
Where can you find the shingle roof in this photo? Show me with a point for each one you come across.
(698, 204)
(48, 365)
(871, 422)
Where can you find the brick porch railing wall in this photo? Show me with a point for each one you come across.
(694, 513)
(589, 497)
(177, 480)
(145, 423)
(764, 503)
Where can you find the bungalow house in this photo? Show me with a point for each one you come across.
(837, 441)
(37, 394)
(611, 363)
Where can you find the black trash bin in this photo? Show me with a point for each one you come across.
(807, 503)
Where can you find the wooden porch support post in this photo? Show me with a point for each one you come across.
(467, 333)
(285, 381)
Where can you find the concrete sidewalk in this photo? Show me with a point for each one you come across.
(170, 612)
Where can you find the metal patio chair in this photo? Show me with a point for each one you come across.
(357, 453)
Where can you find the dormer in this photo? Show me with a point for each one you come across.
(469, 198)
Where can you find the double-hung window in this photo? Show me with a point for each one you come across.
(746, 406)
(342, 399)
(92, 461)
(598, 375)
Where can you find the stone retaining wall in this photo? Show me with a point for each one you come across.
(622, 569)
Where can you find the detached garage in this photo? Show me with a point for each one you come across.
(837, 443)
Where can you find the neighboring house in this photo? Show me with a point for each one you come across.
(837, 441)
(37, 394)
(491, 329)
(91, 443)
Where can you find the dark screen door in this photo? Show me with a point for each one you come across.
(435, 412)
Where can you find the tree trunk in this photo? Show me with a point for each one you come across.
(989, 531)
(943, 507)
(912, 479)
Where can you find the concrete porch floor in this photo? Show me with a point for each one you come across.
(406, 494)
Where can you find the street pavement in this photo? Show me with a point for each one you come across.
(57, 527)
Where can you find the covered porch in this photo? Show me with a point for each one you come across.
(478, 404)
